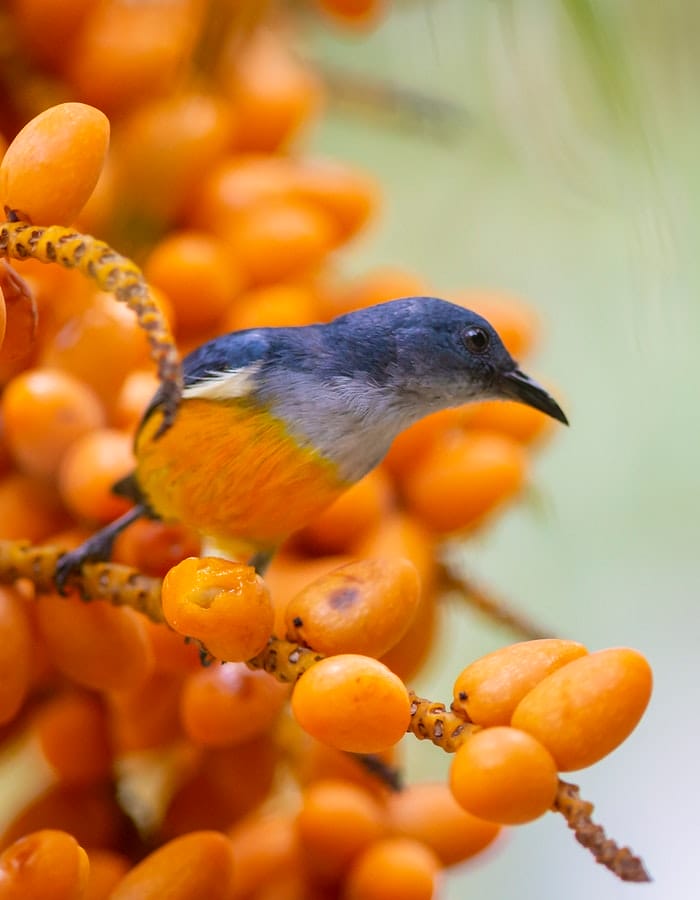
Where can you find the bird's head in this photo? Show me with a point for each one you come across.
(435, 354)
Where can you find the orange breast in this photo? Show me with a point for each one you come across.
(234, 473)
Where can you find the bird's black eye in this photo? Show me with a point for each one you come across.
(476, 339)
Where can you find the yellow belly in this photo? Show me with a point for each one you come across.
(234, 473)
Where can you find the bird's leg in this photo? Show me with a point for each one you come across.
(390, 776)
(96, 548)
(261, 560)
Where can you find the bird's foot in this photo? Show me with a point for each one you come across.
(390, 776)
(205, 657)
(95, 549)
(261, 560)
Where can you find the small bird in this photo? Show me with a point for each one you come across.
(275, 423)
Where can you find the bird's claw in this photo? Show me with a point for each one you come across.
(96, 548)
(171, 392)
(205, 657)
(70, 564)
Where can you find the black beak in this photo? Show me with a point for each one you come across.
(516, 385)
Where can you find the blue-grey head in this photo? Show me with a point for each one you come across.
(431, 354)
(348, 387)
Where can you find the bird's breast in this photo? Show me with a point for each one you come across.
(234, 472)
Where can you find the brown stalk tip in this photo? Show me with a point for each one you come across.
(621, 861)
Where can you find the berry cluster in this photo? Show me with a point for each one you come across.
(136, 771)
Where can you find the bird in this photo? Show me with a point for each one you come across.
(275, 423)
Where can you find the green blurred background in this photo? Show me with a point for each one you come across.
(570, 182)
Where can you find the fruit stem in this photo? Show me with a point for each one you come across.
(434, 722)
(112, 272)
(117, 584)
(577, 812)
(287, 661)
(473, 594)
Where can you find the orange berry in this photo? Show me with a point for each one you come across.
(273, 93)
(504, 775)
(313, 761)
(230, 704)
(6, 461)
(52, 166)
(97, 214)
(279, 239)
(217, 795)
(429, 813)
(408, 657)
(464, 478)
(100, 345)
(89, 469)
(173, 653)
(42, 315)
(272, 306)
(128, 52)
(107, 868)
(237, 184)
(28, 509)
(45, 411)
(515, 322)
(516, 420)
(336, 822)
(147, 716)
(199, 275)
(155, 547)
(88, 812)
(46, 29)
(288, 574)
(166, 147)
(490, 688)
(72, 731)
(360, 13)
(364, 607)
(97, 645)
(376, 286)
(135, 395)
(19, 319)
(42, 865)
(290, 885)
(586, 709)
(191, 867)
(15, 653)
(349, 195)
(401, 536)
(394, 868)
(263, 845)
(3, 315)
(36, 662)
(415, 443)
(353, 703)
(11, 367)
(349, 518)
(224, 604)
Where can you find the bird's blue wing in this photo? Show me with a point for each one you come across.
(223, 354)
